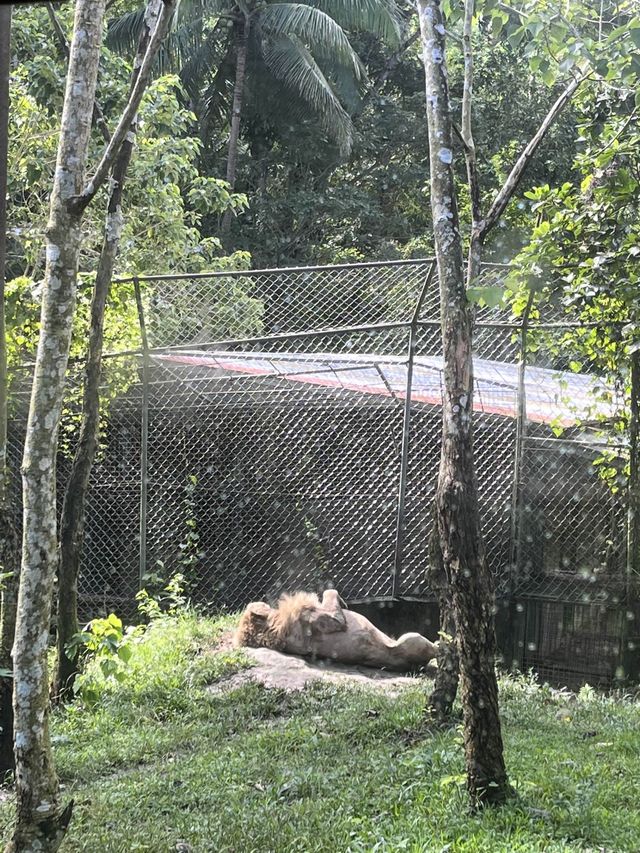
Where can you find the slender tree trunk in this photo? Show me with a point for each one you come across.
(74, 505)
(8, 544)
(242, 41)
(475, 244)
(457, 494)
(40, 823)
(633, 544)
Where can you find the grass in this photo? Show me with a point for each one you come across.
(160, 761)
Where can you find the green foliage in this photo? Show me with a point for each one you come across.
(204, 309)
(307, 206)
(581, 255)
(106, 648)
(169, 596)
(169, 601)
(189, 547)
(167, 201)
(307, 202)
(490, 297)
(167, 198)
(300, 59)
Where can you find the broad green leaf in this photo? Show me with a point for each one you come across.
(491, 297)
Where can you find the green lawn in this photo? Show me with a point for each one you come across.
(160, 760)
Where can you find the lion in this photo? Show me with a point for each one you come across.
(302, 624)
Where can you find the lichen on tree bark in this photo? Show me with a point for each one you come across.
(40, 821)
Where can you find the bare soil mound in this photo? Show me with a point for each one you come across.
(289, 672)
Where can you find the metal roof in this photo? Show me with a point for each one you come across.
(552, 396)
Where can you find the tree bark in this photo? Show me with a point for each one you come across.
(457, 494)
(74, 505)
(99, 120)
(475, 243)
(8, 543)
(242, 41)
(40, 822)
(445, 686)
(633, 534)
(514, 177)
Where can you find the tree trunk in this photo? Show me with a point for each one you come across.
(40, 823)
(73, 509)
(8, 545)
(457, 494)
(242, 40)
(445, 687)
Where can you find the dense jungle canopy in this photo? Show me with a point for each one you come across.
(332, 155)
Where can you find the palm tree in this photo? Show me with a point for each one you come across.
(222, 46)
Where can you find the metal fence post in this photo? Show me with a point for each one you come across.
(406, 427)
(630, 656)
(521, 430)
(144, 436)
(633, 532)
(518, 616)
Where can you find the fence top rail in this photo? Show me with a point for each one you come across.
(274, 270)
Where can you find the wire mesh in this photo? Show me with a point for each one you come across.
(244, 304)
(573, 526)
(273, 420)
(568, 643)
(295, 472)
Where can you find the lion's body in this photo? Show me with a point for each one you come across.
(304, 625)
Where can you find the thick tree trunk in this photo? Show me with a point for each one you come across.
(40, 823)
(8, 545)
(242, 41)
(457, 494)
(73, 509)
(445, 686)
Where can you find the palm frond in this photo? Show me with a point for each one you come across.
(380, 17)
(291, 62)
(191, 21)
(123, 32)
(314, 28)
(216, 99)
(203, 59)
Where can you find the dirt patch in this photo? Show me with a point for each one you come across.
(289, 672)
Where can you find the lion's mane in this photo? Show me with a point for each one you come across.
(261, 625)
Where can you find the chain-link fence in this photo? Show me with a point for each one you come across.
(280, 429)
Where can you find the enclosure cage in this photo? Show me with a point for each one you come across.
(280, 429)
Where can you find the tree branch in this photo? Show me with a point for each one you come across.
(467, 92)
(121, 131)
(98, 116)
(466, 134)
(510, 185)
(393, 61)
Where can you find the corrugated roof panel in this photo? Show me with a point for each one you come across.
(551, 395)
